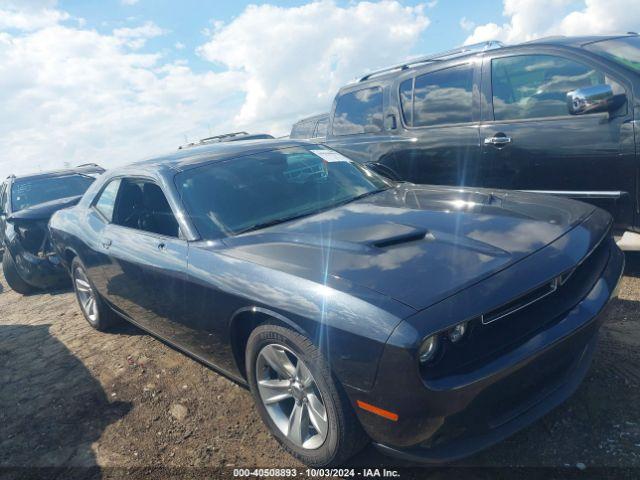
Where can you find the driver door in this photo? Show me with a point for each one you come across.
(531, 142)
(147, 258)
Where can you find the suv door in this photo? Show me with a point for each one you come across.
(438, 115)
(531, 142)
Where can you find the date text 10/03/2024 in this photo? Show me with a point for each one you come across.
(317, 472)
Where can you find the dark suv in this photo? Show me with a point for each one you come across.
(26, 204)
(557, 115)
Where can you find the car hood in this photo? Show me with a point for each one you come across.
(44, 211)
(416, 244)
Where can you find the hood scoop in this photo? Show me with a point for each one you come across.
(384, 235)
(403, 238)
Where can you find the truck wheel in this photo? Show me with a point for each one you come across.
(298, 398)
(12, 276)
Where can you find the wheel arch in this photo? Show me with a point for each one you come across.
(247, 319)
(68, 254)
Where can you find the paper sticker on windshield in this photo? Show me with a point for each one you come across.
(330, 156)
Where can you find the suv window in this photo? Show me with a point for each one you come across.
(321, 127)
(107, 199)
(438, 98)
(302, 130)
(534, 86)
(358, 112)
(3, 198)
(141, 204)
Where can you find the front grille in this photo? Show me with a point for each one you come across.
(510, 325)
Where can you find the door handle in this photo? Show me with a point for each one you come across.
(162, 247)
(497, 140)
(106, 243)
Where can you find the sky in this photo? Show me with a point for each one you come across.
(115, 81)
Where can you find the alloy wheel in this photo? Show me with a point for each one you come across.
(291, 396)
(85, 294)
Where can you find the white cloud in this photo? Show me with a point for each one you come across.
(529, 19)
(136, 37)
(294, 59)
(467, 24)
(129, 2)
(72, 94)
(179, 46)
(29, 15)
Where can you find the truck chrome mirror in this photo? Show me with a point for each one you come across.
(597, 98)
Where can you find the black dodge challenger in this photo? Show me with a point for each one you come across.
(434, 321)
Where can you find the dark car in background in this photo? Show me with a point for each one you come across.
(433, 320)
(26, 204)
(557, 115)
(310, 127)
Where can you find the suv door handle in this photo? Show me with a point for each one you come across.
(106, 243)
(497, 140)
(162, 246)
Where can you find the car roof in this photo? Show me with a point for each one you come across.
(578, 41)
(196, 156)
(390, 73)
(83, 169)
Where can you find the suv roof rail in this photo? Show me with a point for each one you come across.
(459, 51)
(214, 139)
(88, 165)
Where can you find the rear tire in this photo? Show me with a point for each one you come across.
(93, 307)
(13, 278)
(304, 385)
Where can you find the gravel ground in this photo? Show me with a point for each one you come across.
(74, 397)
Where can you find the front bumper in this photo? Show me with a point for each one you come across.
(40, 272)
(453, 418)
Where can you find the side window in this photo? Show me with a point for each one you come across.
(406, 101)
(358, 112)
(3, 197)
(443, 97)
(142, 205)
(321, 127)
(107, 199)
(302, 130)
(535, 86)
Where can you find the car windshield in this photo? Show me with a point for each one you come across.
(625, 51)
(29, 192)
(252, 192)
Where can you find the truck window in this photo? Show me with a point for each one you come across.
(406, 101)
(534, 86)
(443, 97)
(302, 130)
(321, 127)
(358, 112)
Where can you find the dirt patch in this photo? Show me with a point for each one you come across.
(71, 396)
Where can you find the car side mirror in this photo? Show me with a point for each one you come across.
(597, 98)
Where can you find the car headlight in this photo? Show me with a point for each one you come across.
(457, 332)
(428, 349)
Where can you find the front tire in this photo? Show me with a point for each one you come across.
(12, 276)
(298, 398)
(94, 309)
